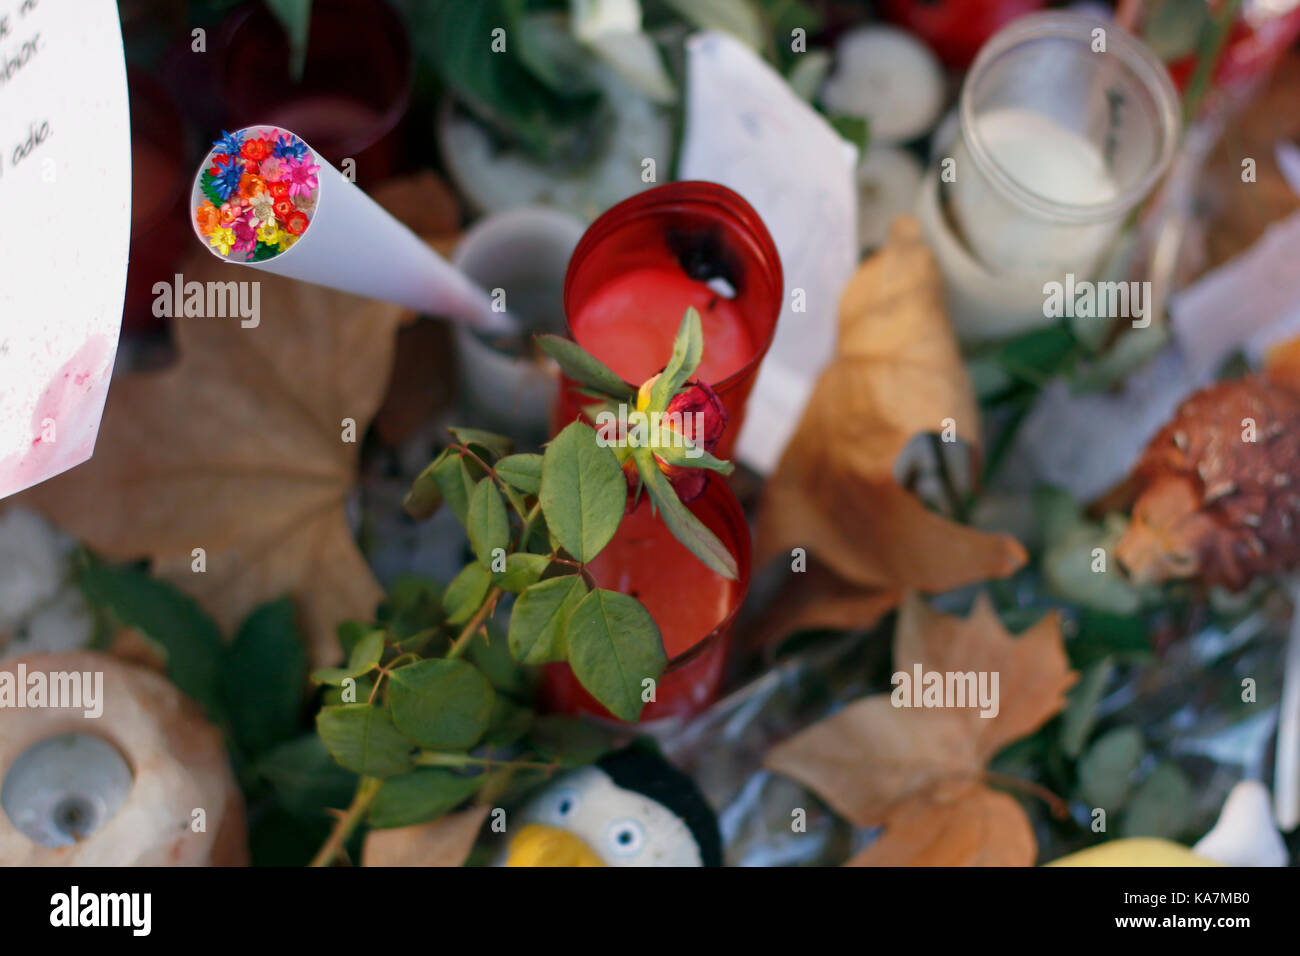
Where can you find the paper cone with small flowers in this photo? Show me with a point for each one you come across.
(264, 198)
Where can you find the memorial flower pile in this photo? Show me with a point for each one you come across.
(260, 188)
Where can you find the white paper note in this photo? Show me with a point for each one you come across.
(746, 129)
(65, 222)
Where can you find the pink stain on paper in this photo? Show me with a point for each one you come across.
(64, 420)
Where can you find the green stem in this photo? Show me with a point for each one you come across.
(435, 758)
(367, 790)
(1207, 58)
(459, 645)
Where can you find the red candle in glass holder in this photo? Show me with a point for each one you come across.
(693, 606)
(645, 261)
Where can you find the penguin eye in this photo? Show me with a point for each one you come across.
(566, 803)
(626, 837)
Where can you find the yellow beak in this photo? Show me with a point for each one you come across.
(540, 845)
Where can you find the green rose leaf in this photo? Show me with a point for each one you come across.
(262, 674)
(486, 522)
(304, 778)
(364, 658)
(688, 349)
(570, 742)
(521, 471)
(421, 795)
(536, 633)
(509, 722)
(684, 453)
(583, 491)
(170, 619)
(614, 645)
(363, 739)
(490, 653)
(497, 445)
(1106, 769)
(440, 704)
(425, 496)
(522, 571)
(582, 367)
(685, 527)
(455, 483)
(466, 592)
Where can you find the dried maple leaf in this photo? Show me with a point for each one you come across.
(445, 841)
(897, 373)
(238, 449)
(920, 772)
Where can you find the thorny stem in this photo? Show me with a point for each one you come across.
(367, 789)
(482, 614)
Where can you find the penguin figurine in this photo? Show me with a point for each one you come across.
(631, 808)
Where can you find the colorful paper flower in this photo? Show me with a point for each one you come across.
(271, 168)
(290, 147)
(269, 232)
(222, 239)
(255, 149)
(208, 218)
(245, 229)
(259, 191)
(302, 177)
(229, 143)
(263, 207)
(250, 185)
(227, 181)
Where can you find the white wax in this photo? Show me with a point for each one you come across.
(1051, 161)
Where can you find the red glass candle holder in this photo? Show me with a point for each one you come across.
(694, 607)
(355, 88)
(640, 266)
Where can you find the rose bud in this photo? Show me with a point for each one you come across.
(697, 414)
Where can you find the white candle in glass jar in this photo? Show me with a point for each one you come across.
(1051, 161)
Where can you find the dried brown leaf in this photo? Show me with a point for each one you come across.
(964, 825)
(897, 373)
(445, 841)
(913, 770)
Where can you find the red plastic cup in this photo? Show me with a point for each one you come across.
(694, 607)
(643, 262)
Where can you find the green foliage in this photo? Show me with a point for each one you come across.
(614, 646)
(171, 620)
(262, 675)
(583, 491)
(441, 704)
(540, 617)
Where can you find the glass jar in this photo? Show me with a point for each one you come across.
(1067, 121)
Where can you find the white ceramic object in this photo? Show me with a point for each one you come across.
(889, 78)
(889, 180)
(176, 761)
(1244, 834)
(524, 252)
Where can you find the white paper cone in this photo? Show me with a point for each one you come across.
(354, 245)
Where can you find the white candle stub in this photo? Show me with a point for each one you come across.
(65, 188)
(1047, 160)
